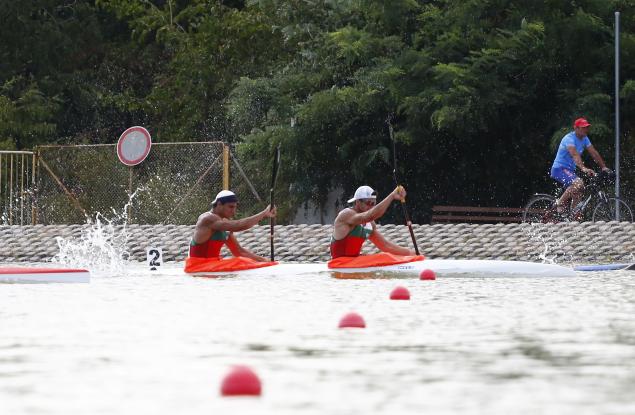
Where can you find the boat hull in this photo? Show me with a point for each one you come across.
(475, 268)
(441, 267)
(606, 267)
(43, 275)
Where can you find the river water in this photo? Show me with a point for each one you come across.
(146, 344)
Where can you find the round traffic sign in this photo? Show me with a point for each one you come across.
(134, 145)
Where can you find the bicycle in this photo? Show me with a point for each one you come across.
(541, 208)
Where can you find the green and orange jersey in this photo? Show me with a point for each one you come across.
(210, 248)
(351, 244)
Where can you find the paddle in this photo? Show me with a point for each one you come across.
(394, 176)
(274, 176)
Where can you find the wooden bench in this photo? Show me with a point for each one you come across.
(471, 214)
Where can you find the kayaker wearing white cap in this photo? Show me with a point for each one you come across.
(355, 224)
(216, 228)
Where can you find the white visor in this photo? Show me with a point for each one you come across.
(225, 196)
(363, 192)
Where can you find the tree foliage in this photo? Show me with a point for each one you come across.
(479, 91)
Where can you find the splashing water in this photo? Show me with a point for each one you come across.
(102, 247)
(552, 240)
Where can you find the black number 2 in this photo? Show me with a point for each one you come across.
(153, 261)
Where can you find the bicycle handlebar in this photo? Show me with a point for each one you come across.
(602, 179)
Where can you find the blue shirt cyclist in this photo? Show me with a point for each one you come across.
(568, 157)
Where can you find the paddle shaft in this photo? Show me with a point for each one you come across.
(272, 221)
(403, 201)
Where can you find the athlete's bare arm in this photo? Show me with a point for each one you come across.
(378, 210)
(203, 230)
(341, 226)
(347, 219)
(387, 246)
(237, 250)
(578, 161)
(596, 156)
(238, 225)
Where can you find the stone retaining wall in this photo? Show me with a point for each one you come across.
(568, 242)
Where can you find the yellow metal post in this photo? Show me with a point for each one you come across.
(22, 194)
(1, 176)
(34, 194)
(11, 189)
(225, 167)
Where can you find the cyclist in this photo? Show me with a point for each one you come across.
(568, 157)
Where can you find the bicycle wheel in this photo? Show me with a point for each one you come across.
(539, 209)
(607, 212)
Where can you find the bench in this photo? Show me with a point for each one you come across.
(471, 214)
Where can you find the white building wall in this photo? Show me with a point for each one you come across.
(309, 213)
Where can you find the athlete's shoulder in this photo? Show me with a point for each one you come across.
(347, 211)
(207, 218)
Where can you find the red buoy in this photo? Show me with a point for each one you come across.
(241, 381)
(427, 274)
(400, 293)
(352, 320)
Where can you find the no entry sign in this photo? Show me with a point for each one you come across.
(133, 146)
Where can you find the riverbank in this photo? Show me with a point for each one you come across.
(565, 242)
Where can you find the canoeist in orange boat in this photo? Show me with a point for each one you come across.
(356, 224)
(215, 229)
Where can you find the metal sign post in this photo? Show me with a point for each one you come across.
(617, 115)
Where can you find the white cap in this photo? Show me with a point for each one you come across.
(363, 192)
(225, 196)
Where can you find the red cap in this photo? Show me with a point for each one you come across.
(581, 122)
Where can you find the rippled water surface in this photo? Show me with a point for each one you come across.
(144, 344)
